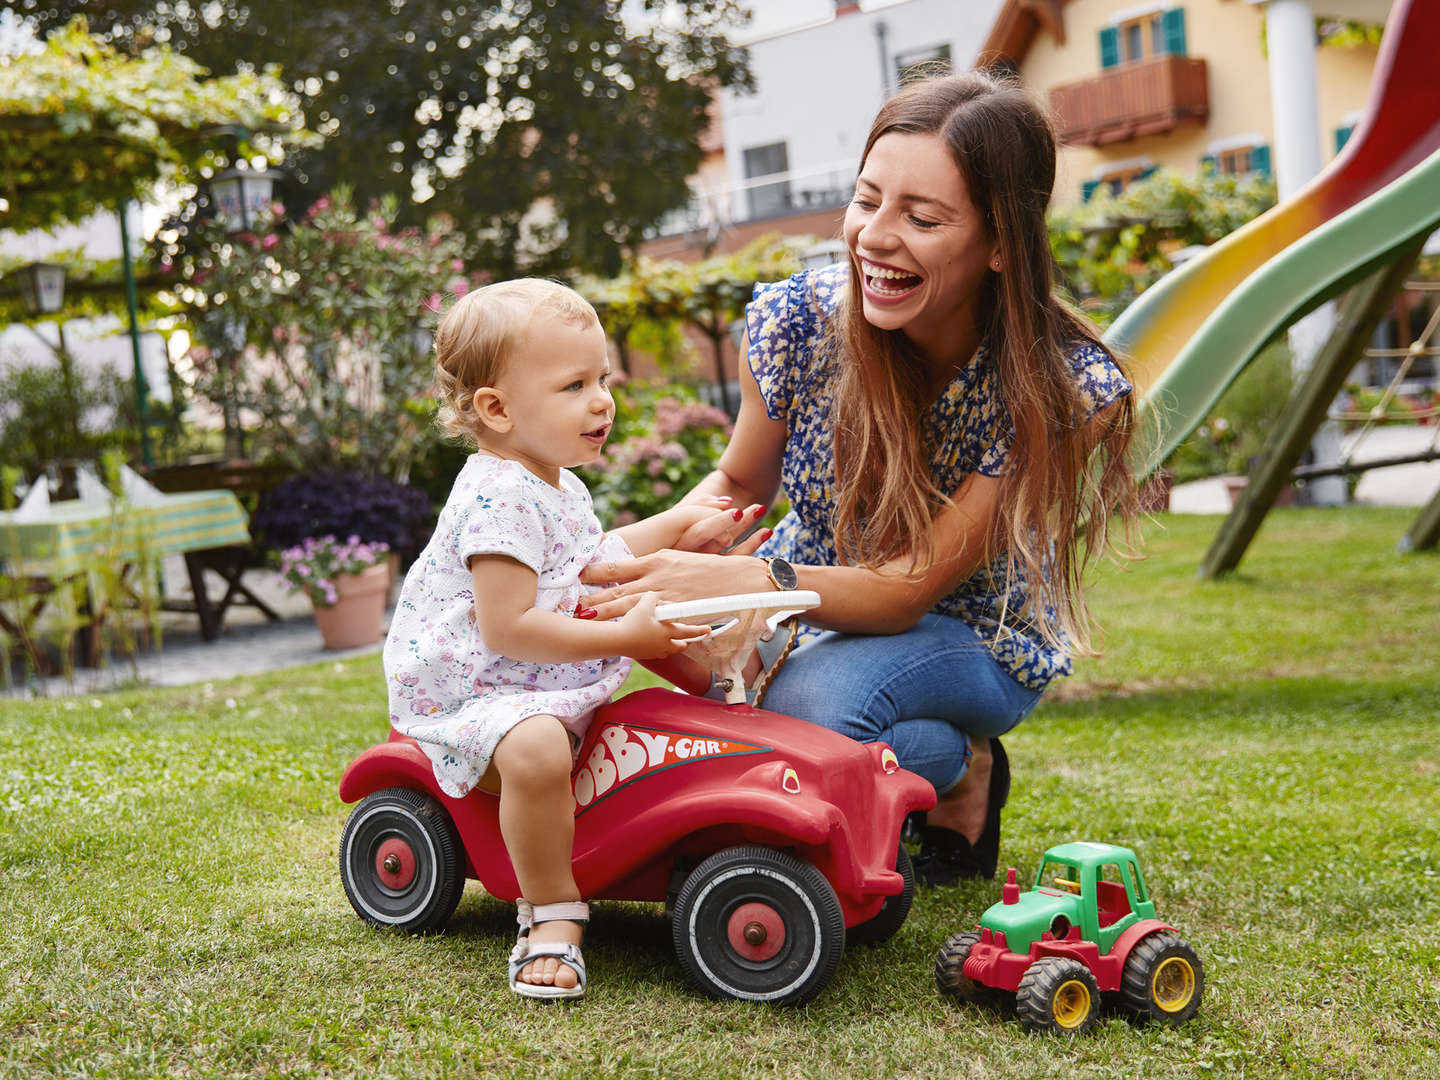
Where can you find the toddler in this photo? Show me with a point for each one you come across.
(490, 663)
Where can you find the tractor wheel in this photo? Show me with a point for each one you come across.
(756, 924)
(1058, 996)
(887, 921)
(950, 968)
(1163, 978)
(401, 861)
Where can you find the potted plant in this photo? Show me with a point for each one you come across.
(347, 582)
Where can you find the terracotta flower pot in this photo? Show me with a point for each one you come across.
(355, 618)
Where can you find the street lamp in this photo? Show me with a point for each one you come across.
(42, 287)
(240, 196)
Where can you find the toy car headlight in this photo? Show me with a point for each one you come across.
(889, 763)
(791, 782)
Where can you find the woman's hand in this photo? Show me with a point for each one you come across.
(715, 531)
(674, 576)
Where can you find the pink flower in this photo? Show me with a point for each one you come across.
(433, 301)
(270, 241)
(459, 286)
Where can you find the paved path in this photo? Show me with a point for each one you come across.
(249, 644)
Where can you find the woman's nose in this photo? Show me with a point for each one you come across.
(879, 232)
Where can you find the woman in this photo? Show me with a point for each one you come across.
(942, 424)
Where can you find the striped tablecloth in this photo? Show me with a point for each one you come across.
(73, 534)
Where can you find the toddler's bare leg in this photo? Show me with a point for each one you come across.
(537, 821)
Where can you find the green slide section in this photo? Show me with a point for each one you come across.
(1312, 270)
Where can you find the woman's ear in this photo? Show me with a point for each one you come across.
(995, 263)
(491, 409)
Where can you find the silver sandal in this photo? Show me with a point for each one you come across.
(529, 915)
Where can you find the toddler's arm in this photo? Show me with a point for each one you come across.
(513, 626)
(709, 524)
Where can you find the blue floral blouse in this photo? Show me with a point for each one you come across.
(786, 321)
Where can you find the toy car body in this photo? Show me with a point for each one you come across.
(1088, 926)
(768, 836)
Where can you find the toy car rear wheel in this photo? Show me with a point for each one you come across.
(756, 924)
(950, 967)
(885, 923)
(400, 861)
(1058, 996)
(1163, 978)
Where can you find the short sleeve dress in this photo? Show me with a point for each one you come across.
(970, 432)
(448, 690)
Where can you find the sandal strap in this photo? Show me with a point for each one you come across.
(524, 913)
(566, 952)
(566, 911)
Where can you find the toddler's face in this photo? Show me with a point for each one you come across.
(556, 384)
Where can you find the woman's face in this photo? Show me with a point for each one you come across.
(918, 243)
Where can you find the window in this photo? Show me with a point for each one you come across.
(1154, 34)
(1342, 136)
(1117, 179)
(918, 63)
(767, 200)
(1240, 160)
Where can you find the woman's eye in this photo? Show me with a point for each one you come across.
(922, 223)
(863, 203)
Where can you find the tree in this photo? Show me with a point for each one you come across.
(498, 112)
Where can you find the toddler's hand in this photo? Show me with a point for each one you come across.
(647, 638)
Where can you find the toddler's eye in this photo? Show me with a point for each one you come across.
(576, 385)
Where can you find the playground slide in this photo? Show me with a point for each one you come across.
(1192, 333)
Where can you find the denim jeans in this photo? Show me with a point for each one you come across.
(925, 692)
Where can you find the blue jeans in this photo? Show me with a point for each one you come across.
(925, 692)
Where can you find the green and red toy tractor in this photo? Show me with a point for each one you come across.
(1087, 926)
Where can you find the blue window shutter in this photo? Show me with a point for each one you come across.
(1109, 46)
(1087, 189)
(1209, 164)
(1174, 21)
(1151, 171)
(1260, 160)
(1342, 136)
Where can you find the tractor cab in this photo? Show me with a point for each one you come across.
(1106, 881)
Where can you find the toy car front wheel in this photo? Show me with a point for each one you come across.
(1163, 978)
(1058, 996)
(886, 922)
(400, 861)
(950, 967)
(756, 924)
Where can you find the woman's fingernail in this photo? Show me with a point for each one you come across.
(767, 534)
(724, 498)
(760, 511)
(737, 514)
(585, 613)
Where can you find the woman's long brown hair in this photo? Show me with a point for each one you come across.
(1065, 478)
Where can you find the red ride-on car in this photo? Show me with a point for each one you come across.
(769, 837)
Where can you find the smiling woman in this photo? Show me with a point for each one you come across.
(941, 423)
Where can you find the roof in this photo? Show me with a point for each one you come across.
(1014, 29)
(1086, 853)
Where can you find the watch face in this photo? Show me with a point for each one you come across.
(784, 574)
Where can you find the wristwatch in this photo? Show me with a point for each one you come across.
(782, 574)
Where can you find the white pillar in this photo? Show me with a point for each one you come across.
(1295, 107)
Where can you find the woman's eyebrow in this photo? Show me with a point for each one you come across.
(908, 198)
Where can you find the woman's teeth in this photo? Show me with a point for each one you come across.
(887, 281)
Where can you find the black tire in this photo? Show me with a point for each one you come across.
(886, 922)
(792, 910)
(1058, 996)
(949, 968)
(401, 862)
(1163, 978)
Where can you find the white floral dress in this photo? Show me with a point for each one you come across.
(448, 691)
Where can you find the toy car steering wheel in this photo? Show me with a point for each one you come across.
(754, 618)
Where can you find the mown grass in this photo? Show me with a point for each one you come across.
(170, 906)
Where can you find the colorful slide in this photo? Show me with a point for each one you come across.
(1192, 333)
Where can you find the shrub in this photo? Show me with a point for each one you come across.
(313, 566)
(666, 441)
(372, 508)
(1235, 432)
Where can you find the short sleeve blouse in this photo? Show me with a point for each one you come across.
(787, 323)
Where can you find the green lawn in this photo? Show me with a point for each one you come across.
(169, 901)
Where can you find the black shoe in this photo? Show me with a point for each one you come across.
(946, 856)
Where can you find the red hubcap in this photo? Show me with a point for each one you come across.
(756, 931)
(395, 863)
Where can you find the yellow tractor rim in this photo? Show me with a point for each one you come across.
(1173, 984)
(1071, 1003)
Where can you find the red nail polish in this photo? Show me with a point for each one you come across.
(761, 512)
(737, 514)
(585, 613)
(766, 535)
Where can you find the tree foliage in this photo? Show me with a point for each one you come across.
(83, 126)
(486, 109)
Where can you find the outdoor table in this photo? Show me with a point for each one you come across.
(207, 527)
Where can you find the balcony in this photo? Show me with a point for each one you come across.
(763, 198)
(1126, 102)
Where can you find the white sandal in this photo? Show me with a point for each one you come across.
(529, 915)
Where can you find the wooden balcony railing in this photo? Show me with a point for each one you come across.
(1132, 100)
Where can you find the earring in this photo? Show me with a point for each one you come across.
(995, 265)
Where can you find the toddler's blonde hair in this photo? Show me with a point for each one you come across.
(477, 335)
